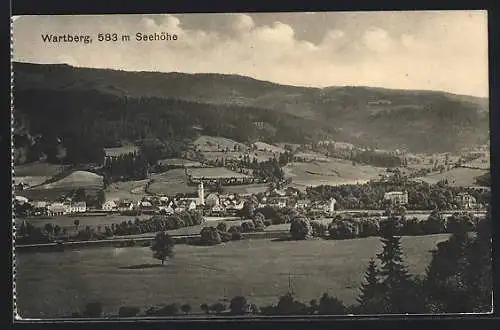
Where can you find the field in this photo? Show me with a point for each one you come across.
(77, 179)
(30, 181)
(215, 172)
(57, 284)
(247, 189)
(178, 162)
(131, 190)
(262, 146)
(334, 172)
(214, 143)
(170, 182)
(37, 169)
(458, 177)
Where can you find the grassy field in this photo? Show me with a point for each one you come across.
(56, 284)
(216, 143)
(216, 172)
(68, 221)
(458, 177)
(170, 182)
(333, 172)
(131, 190)
(247, 189)
(37, 169)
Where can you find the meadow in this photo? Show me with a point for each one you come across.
(170, 182)
(457, 177)
(57, 284)
(332, 172)
(129, 190)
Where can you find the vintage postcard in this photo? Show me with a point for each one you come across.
(251, 165)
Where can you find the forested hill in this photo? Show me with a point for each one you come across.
(231, 104)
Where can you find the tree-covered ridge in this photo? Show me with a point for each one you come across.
(86, 122)
(420, 121)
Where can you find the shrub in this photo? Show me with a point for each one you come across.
(343, 229)
(222, 227)
(459, 223)
(225, 236)
(435, 224)
(300, 228)
(247, 227)
(259, 225)
(210, 236)
(319, 229)
(267, 222)
(127, 311)
(369, 228)
(412, 227)
(235, 229)
(236, 236)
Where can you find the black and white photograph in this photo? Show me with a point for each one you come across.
(252, 165)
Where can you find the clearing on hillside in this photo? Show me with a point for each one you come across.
(130, 190)
(38, 169)
(77, 179)
(333, 172)
(207, 143)
(457, 177)
(170, 183)
(262, 146)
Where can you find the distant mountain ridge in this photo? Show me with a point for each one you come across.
(420, 121)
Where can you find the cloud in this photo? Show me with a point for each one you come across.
(441, 51)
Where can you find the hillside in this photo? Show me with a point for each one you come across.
(230, 105)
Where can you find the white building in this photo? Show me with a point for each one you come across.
(125, 206)
(110, 206)
(465, 201)
(56, 209)
(397, 197)
(78, 207)
(201, 194)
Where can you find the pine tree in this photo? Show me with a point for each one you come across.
(369, 299)
(394, 273)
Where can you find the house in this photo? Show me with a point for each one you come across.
(78, 207)
(302, 204)
(145, 205)
(20, 199)
(125, 206)
(397, 197)
(277, 202)
(168, 210)
(465, 201)
(235, 206)
(218, 210)
(56, 209)
(110, 206)
(212, 199)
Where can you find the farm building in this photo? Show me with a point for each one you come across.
(125, 206)
(110, 206)
(397, 197)
(465, 201)
(78, 207)
(212, 199)
(57, 209)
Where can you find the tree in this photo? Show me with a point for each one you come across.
(394, 274)
(162, 246)
(222, 227)
(238, 305)
(218, 308)
(370, 299)
(205, 308)
(186, 309)
(49, 228)
(76, 223)
(93, 310)
(330, 306)
(210, 235)
(300, 228)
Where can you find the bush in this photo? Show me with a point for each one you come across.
(267, 222)
(343, 229)
(435, 224)
(236, 236)
(235, 229)
(247, 227)
(222, 227)
(369, 228)
(459, 223)
(412, 227)
(210, 236)
(319, 229)
(127, 311)
(259, 225)
(225, 236)
(300, 228)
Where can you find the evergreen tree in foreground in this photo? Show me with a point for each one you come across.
(371, 300)
(400, 292)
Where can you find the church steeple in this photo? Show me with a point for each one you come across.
(201, 193)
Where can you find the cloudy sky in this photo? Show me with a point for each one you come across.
(445, 50)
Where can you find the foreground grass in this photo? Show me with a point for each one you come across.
(57, 284)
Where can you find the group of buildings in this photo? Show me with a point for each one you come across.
(44, 208)
(463, 200)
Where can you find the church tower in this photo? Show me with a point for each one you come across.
(201, 193)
